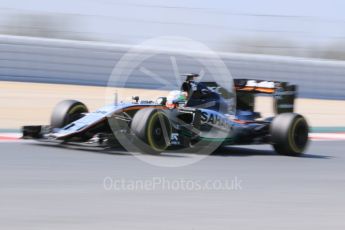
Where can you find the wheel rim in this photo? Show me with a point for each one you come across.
(299, 135)
(75, 113)
(158, 132)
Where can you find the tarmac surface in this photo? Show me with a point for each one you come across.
(45, 187)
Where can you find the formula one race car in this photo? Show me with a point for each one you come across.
(201, 123)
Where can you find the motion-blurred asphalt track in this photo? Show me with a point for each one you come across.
(45, 187)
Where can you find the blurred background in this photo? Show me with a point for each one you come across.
(67, 49)
(79, 42)
(294, 28)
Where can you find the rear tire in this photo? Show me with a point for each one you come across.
(66, 112)
(289, 134)
(152, 129)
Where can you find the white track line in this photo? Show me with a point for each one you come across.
(327, 136)
(15, 137)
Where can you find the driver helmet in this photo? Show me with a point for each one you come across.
(176, 97)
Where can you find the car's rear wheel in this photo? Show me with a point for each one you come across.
(152, 129)
(66, 112)
(289, 134)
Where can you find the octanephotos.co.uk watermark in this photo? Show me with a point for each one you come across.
(167, 184)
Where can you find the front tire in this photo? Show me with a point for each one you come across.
(289, 134)
(66, 112)
(152, 129)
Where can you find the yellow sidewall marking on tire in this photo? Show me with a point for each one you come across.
(291, 140)
(76, 108)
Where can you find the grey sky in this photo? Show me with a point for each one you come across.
(211, 22)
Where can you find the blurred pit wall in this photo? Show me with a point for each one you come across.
(25, 59)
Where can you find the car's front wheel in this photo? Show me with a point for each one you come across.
(152, 129)
(66, 112)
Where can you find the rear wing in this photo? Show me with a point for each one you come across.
(284, 94)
